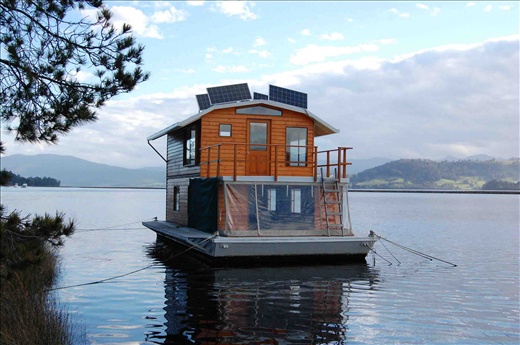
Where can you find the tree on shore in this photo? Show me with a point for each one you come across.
(57, 66)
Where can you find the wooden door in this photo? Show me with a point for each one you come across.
(258, 150)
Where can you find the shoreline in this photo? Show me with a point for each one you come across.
(355, 190)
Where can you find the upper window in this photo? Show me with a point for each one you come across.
(225, 130)
(191, 145)
(296, 151)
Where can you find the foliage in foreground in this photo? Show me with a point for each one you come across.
(59, 63)
(29, 313)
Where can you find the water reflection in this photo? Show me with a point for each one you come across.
(259, 305)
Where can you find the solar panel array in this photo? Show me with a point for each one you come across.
(240, 92)
(229, 93)
(287, 96)
(257, 95)
(203, 101)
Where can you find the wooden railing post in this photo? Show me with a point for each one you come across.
(209, 162)
(344, 162)
(315, 153)
(235, 162)
(276, 163)
(339, 165)
(328, 163)
(218, 160)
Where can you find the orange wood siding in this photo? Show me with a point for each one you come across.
(210, 127)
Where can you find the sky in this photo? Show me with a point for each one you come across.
(398, 79)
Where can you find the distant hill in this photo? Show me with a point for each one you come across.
(359, 165)
(423, 173)
(76, 172)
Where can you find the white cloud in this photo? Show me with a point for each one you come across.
(433, 11)
(306, 32)
(488, 8)
(291, 40)
(314, 53)
(261, 53)
(236, 8)
(231, 69)
(195, 2)
(259, 41)
(470, 4)
(387, 41)
(399, 13)
(185, 71)
(171, 15)
(505, 7)
(350, 20)
(334, 36)
(140, 23)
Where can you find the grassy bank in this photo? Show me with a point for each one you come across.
(29, 267)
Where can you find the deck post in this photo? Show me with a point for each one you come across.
(235, 162)
(209, 162)
(315, 166)
(344, 162)
(328, 163)
(218, 160)
(339, 164)
(276, 163)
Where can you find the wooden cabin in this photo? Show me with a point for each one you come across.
(248, 166)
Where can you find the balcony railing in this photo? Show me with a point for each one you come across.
(233, 159)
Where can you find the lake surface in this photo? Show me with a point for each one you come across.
(173, 299)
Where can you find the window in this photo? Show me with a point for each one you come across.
(176, 198)
(296, 201)
(296, 141)
(225, 130)
(258, 135)
(191, 145)
(271, 199)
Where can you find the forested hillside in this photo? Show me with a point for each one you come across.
(15, 179)
(423, 173)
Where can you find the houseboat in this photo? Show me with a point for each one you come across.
(245, 181)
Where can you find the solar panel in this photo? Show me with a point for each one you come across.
(229, 93)
(203, 101)
(257, 95)
(287, 96)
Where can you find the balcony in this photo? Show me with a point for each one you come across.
(236, 160)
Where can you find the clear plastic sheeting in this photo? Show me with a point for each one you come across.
(276, 210)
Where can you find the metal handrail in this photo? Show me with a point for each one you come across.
(312, 159)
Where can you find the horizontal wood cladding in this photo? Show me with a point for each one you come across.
(176, 165)
(181, 216)
(233, 159)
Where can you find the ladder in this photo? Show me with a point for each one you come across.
(333, 206)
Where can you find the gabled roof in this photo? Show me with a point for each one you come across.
(320, 127)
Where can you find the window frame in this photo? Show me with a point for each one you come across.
(176, 198)
(296, 208)
(230, 130)
(304, 148)
(187, 136)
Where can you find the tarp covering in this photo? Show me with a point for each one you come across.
(261, 208)
(202, 204)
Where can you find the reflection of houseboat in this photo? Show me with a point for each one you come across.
(244, 180)
(260, 305)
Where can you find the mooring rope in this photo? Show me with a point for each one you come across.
(413, 251)
(382, 257)
(134, 271)
(116, 226)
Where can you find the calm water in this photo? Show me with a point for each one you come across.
(179, 301)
